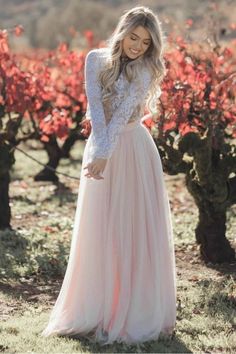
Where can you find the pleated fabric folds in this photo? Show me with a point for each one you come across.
(120, 282)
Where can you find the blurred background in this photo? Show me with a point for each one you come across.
(49, 22)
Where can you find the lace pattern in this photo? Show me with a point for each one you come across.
(126, 106)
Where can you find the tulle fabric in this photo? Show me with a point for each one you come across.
(120, 283)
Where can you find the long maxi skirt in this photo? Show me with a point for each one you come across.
(120, 282)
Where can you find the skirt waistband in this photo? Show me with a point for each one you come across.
(132, 125)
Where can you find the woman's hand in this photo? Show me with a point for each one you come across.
(95, 168)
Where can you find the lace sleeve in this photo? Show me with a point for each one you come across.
(99, 143)
(136, 94)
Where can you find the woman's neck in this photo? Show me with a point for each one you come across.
(123, 61)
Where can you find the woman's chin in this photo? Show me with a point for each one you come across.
(132, 55)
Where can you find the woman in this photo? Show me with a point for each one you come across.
(120, 280)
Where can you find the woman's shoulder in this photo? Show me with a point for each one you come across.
(97, 54)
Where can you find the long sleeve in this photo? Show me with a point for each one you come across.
(135, 95)
(95, 106)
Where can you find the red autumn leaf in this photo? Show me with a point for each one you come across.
(63, 47)
(189, 22)
(45, 138)
(18, 30)
(86, 127)
(90, 37)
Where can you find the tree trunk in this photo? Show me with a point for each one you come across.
(210, 234)
(69, 143)
(5, 211)
(54, 154)
(7, 160)
(211, 228)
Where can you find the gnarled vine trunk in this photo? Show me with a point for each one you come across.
(6, 162)
(211, 228)
(5, 210)
(208, 181)
(54, 155)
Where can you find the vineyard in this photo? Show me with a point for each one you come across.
(42, 114)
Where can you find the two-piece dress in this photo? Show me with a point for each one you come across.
(120, 282)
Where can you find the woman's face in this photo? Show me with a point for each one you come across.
(136, 43)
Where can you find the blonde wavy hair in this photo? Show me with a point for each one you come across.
(152, 58)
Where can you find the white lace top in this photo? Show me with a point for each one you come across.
(127, 105)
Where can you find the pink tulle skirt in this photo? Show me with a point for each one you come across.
(120, 283)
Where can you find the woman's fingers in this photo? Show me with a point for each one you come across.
(93, 171)
(91, 168)
(92, 174)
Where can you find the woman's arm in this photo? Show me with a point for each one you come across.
(99, 136)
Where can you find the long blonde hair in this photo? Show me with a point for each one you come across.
(152, 58)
